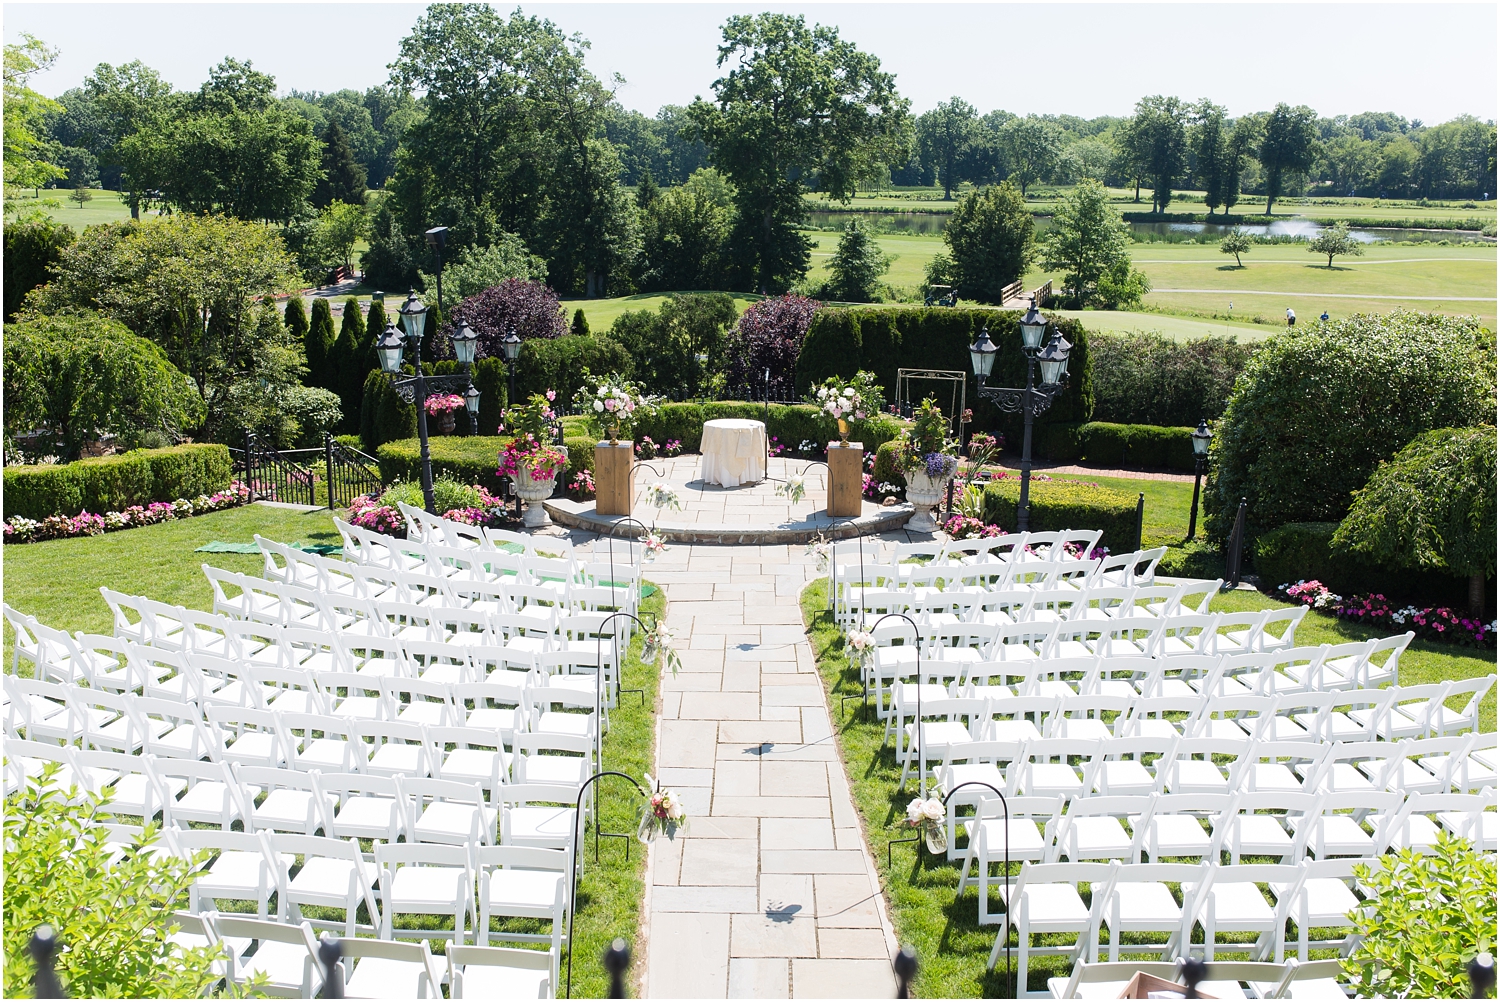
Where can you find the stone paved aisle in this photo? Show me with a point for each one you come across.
(772, 893)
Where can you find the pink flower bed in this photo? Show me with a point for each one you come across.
(367, 512)
(1438, 623)
(26, 530)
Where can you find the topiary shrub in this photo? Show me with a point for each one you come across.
(114, 483)
(383, 415)
(769, 335)
(1151, 379)
(1303, 551)
(1431, 508)
(887, 468)
(1063, 504)
(467, 460)
(1057, 442)
(531, 309)
(1316, 410)
(1136, 445)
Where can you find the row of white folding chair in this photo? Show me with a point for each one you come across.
(1219, 899)
(1135, 766)
(1316, 979)
(967, 597)
(287, 956)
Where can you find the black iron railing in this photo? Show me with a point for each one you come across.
(349, 473)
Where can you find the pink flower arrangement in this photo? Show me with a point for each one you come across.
(25, 530)
(539, 460)
(444, 402)
(1439, 623)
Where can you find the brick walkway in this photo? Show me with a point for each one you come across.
(772, 893)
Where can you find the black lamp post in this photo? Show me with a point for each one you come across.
(437, 239)
(511, 347)
(1201, 437)
(414, 389)
(1031, 401)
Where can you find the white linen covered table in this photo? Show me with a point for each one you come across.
(734, 452)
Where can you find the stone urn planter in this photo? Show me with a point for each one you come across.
(534, 490)
(925, 493)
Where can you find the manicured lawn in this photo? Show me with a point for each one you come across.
(58, 581)
(951, 946)
(104, 207)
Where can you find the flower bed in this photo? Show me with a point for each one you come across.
(368, 512)
(1438, 623)
(25, 530)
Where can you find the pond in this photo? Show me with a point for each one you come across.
(932, 223)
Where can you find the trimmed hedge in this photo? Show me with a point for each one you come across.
(789, 424)
(882, 339)
(560, 363)
(1117, 445)
(469, 460)
(1302, 551)
(114, 483)
(1058, 504)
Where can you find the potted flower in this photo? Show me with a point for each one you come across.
(928, 457)
(529, 459)
(848, 400)
(444, 406)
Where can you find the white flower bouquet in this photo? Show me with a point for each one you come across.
(613, 404)
(927, 816)
(794, 489)
(660, 496)
(658, 648)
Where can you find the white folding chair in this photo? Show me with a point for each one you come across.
(292, 803)
(494, 972)
(420, 878)
(448, 811)
(286, 955)
(1045, 901)
(522, 882)
(383, 968)
(1140, 902)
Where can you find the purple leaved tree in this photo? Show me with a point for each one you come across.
(768, 336)
(529, 308)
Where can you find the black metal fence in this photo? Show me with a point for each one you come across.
(296, 475)
(350, 473)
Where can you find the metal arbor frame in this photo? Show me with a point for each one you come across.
(904, 378)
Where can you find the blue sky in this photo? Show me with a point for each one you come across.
(1084, 59)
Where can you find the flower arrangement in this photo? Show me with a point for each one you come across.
(927, 816)
(658, 648)
(26, 530)
(660, 496)
(1437, 623)
(794, 489)
(378, 513)
(848, 400)
(613, 405)
(582, 485)
(879, 491)
(661, 813)
(807, 447)
(442, 403)
(926, 447)
(861, 644)
(819, 550)
(537, 459)
(654, 544)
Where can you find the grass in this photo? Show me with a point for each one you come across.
(1168, 502)
(920, 888)
(601, 313)
(58, 582)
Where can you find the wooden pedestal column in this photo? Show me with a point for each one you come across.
(845, 479)
(614, 477)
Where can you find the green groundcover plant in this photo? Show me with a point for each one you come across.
(1425, 918)
(112, 917)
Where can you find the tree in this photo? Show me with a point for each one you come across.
(991, 237)
(295, 316)
(110, 909)
(946, 138)
(769, 336)
(529, 309)
(481, 267)
(1212, 147)
(1334, 240)
(665, 344)
(1235, 242)
(1298, 454)
(1030, 147)
(799, 104)
(345, 361)
(857, 265)
(1432, 507)
(646, 191)
(1242, 141)
(1157, 141)
(375, 322)
(189, 283)
(1087, 238)
(81, 195)
(1092, 157)
(33, 246)
(685, 235)
(340, 226)
(125, 100)
(343, 178)
(580, 324)
(79, 376)
(388, 262)
(1289, 145)
(318, 347)
(25, 163)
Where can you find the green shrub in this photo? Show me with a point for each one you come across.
(1430, 508)
(112, 915)
(1195, 559)
(384, 416)
(113, 483)
(1317, 409)
(580, 456)
(1136, 445)
(468, 460)
(1303, 551)
(446, 492)
(841, 342)
(1058, 442)
(561, 363)
(887, 468)
(1059, 504)
(1426, 916)
(790, 424)
(1151, 379)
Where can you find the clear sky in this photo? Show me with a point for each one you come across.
(1083, 59)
